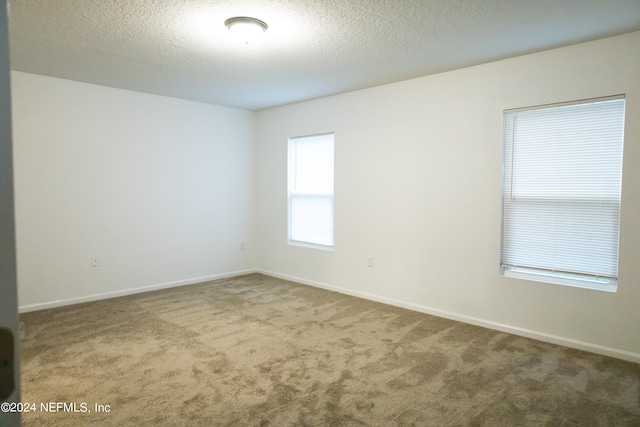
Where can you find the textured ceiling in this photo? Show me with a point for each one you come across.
(313, 48)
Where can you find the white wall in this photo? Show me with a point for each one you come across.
(160, 189)
(418, 187)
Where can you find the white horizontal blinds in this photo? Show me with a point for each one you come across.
(562, 179)
(311, 189)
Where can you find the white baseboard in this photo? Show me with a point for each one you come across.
(123, 292)
(528, 333)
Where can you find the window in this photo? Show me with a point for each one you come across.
(561, 192)
(311, 191)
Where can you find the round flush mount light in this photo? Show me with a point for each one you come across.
(245, 28)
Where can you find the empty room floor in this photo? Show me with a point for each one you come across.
(260, 351)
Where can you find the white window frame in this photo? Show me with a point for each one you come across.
(292, 192)
(605, 282)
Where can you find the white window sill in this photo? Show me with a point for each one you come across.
(311, 245)
(606, 286)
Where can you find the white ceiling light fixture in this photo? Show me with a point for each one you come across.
(245, 28)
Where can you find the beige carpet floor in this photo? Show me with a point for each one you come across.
(259, 351)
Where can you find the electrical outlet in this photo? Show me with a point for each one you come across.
(94, 261)
(370, 261)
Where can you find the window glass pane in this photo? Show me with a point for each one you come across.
(314, 166)
(569, 236)
(566, 152)
(312, 219)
